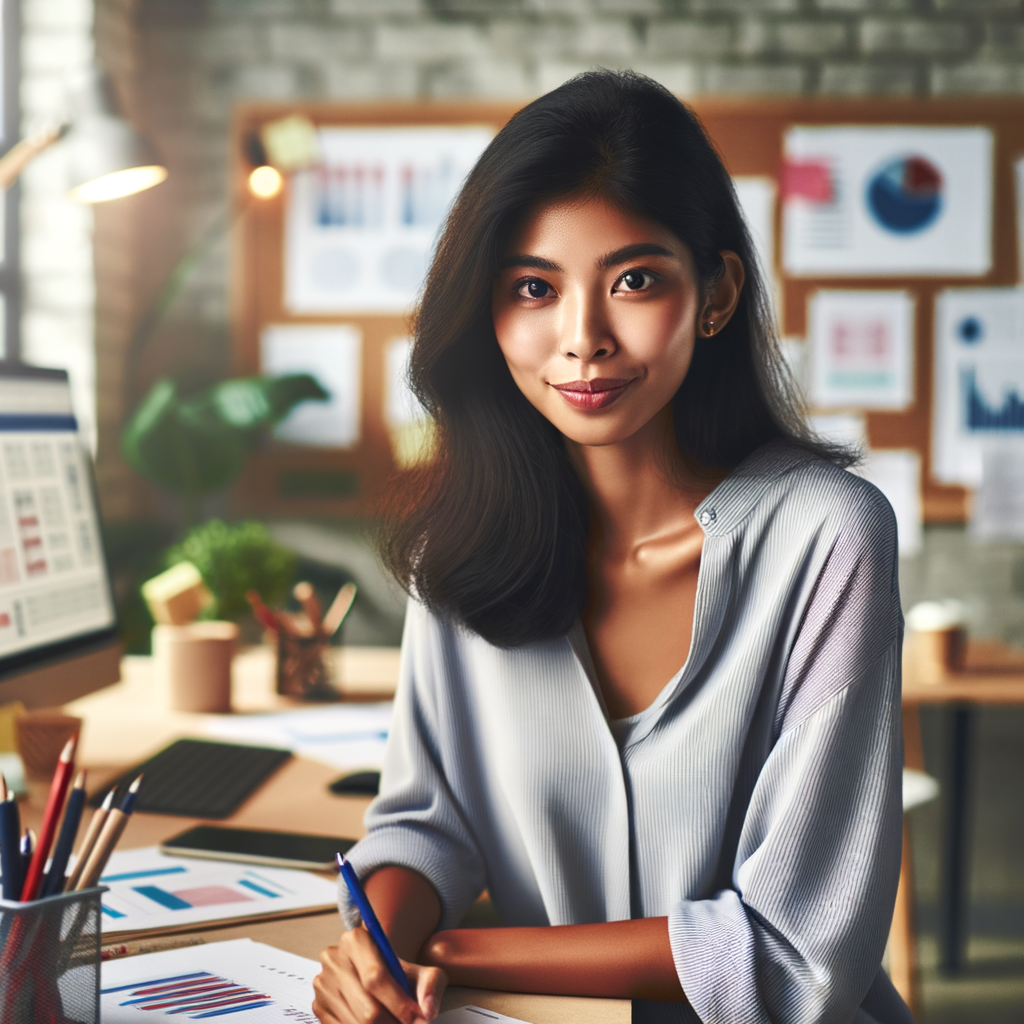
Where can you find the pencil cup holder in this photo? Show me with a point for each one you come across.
(302, 668)
(50, 959)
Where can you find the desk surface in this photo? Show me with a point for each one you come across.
(993, 673)
(126, 722)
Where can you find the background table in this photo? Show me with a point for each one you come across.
(993, 674)
(128, 721)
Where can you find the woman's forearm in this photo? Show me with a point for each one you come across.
(623, 959)
(406, 906)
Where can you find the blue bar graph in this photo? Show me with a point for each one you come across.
(161, 896)
(979, 415)
(195, 996)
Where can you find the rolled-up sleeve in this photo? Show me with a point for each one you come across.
(799, 935)
(416, 822)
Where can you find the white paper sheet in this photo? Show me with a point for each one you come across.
(997, 511)
(361, 228)
(978, 379)
(150, 891)
(333, 354)
(756, 197)
(861, 349)
(896, 472)
(900, 200)
(247, 982)
(339, 735)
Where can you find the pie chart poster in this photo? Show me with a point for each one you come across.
(894, 201)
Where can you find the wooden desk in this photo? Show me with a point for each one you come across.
(128, 721)
(993, 674)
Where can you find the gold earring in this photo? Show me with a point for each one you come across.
(709, 328)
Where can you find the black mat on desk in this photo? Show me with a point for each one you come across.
(198, 778)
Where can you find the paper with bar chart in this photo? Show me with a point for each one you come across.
(979, 379)
(151, 892)
(361, 227)
(247, 981)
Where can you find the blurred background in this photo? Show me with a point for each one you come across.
(174, 287)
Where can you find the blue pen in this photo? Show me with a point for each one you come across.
(10, 844)
(373, 925)
(53, 881)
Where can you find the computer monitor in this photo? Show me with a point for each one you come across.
(58, 626)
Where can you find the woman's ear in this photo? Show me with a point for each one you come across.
(724, 296)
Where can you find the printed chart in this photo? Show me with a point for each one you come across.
(361, 228)
(861, 349)
(979, 379)
(248, 981)
(150, 891)
(899, 201)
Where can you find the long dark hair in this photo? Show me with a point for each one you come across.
(493, 534)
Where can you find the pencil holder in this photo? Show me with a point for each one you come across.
(50, 959)
(302, 669)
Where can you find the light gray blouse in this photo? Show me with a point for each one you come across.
(755, 803)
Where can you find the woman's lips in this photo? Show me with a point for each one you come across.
(593, 394)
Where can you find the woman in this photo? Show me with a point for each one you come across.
(623, 487)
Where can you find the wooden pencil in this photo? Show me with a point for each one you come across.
(113, 828)
(92, 833)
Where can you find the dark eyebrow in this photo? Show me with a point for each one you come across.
(533, 262)
(631, 252)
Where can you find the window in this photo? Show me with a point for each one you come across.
(9, 103)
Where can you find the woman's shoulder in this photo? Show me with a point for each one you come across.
(783, 485)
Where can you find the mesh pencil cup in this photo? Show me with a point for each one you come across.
(50, 959)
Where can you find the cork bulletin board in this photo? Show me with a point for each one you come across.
(291, 479)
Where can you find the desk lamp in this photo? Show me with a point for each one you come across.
(109, 158)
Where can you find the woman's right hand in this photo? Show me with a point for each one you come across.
(356, 987)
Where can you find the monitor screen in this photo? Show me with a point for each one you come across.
(55, 595)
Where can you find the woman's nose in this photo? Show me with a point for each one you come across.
(585, 331)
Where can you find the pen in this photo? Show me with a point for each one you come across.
(10, 850)
(53, 883)
(373, 925)
(113, 827)
(28, 844)
(92, 833)
(54, 805)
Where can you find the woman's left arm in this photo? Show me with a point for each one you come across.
(620, 959)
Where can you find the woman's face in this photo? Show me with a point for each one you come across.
(596, 313)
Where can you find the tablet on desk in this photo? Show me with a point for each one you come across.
(255, 846)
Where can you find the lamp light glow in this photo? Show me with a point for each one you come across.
(265, 182)
(118, 184)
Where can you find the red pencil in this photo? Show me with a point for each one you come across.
(51, 816)
(264, 615)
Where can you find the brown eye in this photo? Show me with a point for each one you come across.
(634, 280)
(535, 289)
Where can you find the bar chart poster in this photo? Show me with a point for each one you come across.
(979, 379)
(362, 226)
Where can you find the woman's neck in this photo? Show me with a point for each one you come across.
(641, 487)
